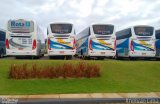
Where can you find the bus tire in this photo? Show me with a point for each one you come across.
(132, 58)
(35, 57)
(1, 53)
(100, 58)
(18, 57)
(69, 57)
(158, 59)
(32, 57)
(87, 58)
(42, 55)
(50, 57)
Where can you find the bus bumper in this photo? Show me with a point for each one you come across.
(102, 53)
(142, 54)
(61, 52)
(21, 53)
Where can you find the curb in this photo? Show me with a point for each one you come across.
(88, 95)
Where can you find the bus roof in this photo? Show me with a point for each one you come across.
(60, 23)
(2, 30)
(142, 25)
(101, 24)
(135, 26)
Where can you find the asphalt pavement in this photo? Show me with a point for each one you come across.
(90, 98)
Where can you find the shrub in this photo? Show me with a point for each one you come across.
(67, 70)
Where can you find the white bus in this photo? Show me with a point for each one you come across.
(24, 38)
(61, 40)
(2, 42)
(136, 41)
(97, 41)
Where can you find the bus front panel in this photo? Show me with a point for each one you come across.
(142, 44)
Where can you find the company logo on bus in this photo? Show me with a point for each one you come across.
(20, 24)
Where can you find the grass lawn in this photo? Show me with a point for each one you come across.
(117, 76)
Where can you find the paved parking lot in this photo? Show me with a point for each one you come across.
(46, 57)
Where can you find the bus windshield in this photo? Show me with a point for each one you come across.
(20, 26)
(143, 31)
(103, 29)
(61, 28)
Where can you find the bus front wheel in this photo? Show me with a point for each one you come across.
(51, 57)
(68, 57)
(1, 53)
(87, 57)
(100, 58)
(132, 58)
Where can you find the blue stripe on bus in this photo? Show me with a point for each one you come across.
(98, 46)
(158, 47)
(56, 45)
(123, 46)
(141, 47)
(158, 43)
(83, 47)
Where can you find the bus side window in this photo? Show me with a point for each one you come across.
(126, 33)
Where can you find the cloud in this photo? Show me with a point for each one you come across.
(83, 8)
(82, 12)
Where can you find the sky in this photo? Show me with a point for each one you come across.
(82, 13)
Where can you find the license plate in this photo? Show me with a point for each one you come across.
(61, 52)
(143, 54)
(102, 52)
(20, 48)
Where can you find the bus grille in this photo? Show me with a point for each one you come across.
(103, 37)
(144, 38)
(61, 36)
